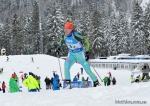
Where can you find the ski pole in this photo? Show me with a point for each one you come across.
(60, 68)
(97, 73)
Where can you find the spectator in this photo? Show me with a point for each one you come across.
(131, 79)
(114, 81)
(81, 71)
(137, 79)
(3, 87)
(22, 77)
(25, 75)
(75, 79)
(140, 78)
(106, 81)
(13, 86)
(32, 59)
(109, 73)
(1, 70)
(87, 79)
(83, 79)
(47, 82)
(78, 75)
(145, 76)
(7, 59)
(56, 84)
(31, 83)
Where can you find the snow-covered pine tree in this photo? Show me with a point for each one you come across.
(34, 29)
(115, 35)
(147, 28)
(124, 42)
(16, 35)
(5, 39)
(137, 25)
(53, 30)
(96, 35)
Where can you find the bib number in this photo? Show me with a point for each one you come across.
(70, 46)
(74, 46)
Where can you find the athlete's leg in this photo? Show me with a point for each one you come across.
(68, 63)
(81, 59)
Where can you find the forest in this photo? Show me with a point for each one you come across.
(111, 26)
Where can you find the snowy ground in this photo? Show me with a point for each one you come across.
(124, 92)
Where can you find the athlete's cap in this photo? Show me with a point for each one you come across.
(68, 25)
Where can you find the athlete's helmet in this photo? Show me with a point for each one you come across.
(68, 25)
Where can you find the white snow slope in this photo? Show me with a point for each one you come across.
(124, 93)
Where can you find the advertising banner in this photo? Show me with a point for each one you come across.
(79, 84)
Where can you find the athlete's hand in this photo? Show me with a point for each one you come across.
(87, 55)
(57, 51)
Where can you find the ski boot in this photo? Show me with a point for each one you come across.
(68, 82)
(95, 83)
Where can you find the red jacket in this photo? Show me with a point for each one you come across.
(109, 73)
(3, 86)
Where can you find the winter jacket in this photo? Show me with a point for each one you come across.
(106, 80)
(109, 73)
(56, 82)
(131, 79)
(113, 80)
(13, 86)
(83, 79)
(3, 86)
(75, 79)
(31, 83)
(47, 81)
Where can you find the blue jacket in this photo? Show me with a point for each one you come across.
(75, 79)
(56, 82)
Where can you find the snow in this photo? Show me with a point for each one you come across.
(144, 4)
(44, 65)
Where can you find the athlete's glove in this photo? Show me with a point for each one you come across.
(87, 55)
(57, 51)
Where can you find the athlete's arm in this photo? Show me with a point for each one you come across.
(87, 44)
(61, 41)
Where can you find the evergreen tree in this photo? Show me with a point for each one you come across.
(137, 25)
(147, 28)
(34, 29)
(106, 38)
(28, 36)
(96, 35)
(87, 23)
(1, 37)
(6, 35)
(17, 36)
(124, 42)
(115, 35)
(53, 32)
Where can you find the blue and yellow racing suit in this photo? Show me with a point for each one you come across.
(74, 42)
